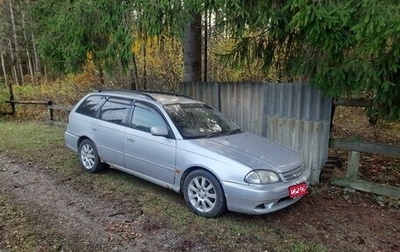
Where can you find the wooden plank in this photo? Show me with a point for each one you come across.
(31, 102)
(60, 107)
(346, 144)
(353, 164)
(6, 113)
(352, 102)
(366, 186)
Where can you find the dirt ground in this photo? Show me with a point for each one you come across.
(90, 222)
(339, 219)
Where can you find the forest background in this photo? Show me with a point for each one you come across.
(59, 50)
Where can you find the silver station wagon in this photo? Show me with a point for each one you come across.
(185, 145)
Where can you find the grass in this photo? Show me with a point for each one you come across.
(43, 146)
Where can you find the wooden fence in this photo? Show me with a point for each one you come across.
(355, 149)
(48, 105)
(351, 180)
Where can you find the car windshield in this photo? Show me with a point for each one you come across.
(200, 121)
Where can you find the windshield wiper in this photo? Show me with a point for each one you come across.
(236, 131)
(224, 133)
(215, 134)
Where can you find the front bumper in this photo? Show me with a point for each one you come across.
(261, 199)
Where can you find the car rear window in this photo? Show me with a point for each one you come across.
(91, 105)
(115, 111)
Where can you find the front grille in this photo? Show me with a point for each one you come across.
(293, 174)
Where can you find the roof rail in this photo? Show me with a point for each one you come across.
(167, 93)
(147, 93)
(138, 92)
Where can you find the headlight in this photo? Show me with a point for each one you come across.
(261, 177)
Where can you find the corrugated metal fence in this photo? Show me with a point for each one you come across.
(296, 115)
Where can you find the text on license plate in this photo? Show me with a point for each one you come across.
(297, 190)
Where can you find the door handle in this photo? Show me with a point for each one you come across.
(94, 129)
(130, 140)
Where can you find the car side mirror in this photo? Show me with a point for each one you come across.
(159, 131)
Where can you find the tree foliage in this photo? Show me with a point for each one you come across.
(168, 17)
(70, 32)
(345, 47)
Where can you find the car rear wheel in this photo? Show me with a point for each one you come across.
(203, 194)
(89, 158)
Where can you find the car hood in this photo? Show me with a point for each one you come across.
(254, 151)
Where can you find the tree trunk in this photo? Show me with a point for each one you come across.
(101, 76)
(134, 74)
(28, 54)
(8, 84)
(192, 50)
(145, 64)
(16, 48)
(38, 71)
(46, 77)
(3, 67)
(13, 67)
(21, 71)
(209, 42)
(205, 61)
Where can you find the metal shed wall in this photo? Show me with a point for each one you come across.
(293, 114)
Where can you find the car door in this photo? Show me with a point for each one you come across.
(149, 155)
(110, 129)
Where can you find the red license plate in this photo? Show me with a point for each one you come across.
(297, 190)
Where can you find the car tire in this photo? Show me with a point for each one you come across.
(203, 194)
(89, 158)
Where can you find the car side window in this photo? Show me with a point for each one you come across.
(144, 117)
(91, 105)
(115, 111)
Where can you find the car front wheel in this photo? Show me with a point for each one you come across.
(89, 158)
(203, 194)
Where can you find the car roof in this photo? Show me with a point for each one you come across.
(163, 98)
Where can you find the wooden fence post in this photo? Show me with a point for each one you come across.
(51, 111)
(353, 164)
